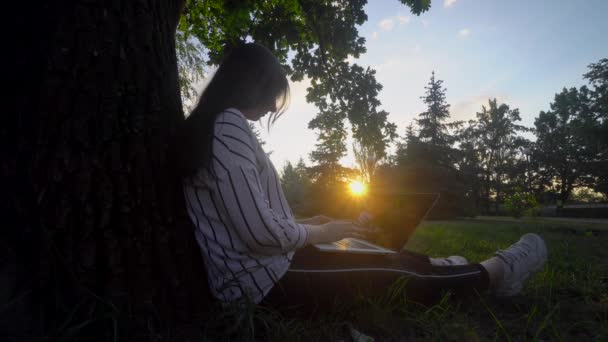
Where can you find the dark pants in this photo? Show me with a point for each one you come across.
(317, 279)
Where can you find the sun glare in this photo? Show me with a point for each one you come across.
(357, 187)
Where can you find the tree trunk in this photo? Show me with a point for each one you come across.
(98, 242)
(487, 193)
(566, 185)
(498, 189)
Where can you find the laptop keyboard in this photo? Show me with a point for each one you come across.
(348, 243)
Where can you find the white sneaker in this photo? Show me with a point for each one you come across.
(521, 260)
(453, 260)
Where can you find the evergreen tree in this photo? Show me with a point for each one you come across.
(425, 158)
(256, 133)
(432, 126)
(296, 185)
(291, 188)
(331, 146)
(302, 171)
(258, 136)
(400, 156)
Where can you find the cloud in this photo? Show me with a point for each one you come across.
(403, 19)
(465, 32)
(386, 24)
(374, 35)
(448, 3)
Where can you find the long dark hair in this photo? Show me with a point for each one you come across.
(249, 77)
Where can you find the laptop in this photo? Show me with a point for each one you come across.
(396, 215)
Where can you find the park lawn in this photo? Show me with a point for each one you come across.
(567, 300)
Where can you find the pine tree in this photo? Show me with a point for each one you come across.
(331, 145)
(296, 184)
(256, 132)
(433, 129)
(425, 158)
(258, 136)
(401, 153)
(302, 171)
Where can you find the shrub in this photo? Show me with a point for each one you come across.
(520, 204)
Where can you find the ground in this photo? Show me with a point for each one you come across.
(567, 300)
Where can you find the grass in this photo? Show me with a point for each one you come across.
(568, 300)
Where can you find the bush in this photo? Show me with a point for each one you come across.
(520, 204)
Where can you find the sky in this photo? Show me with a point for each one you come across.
(520, 52)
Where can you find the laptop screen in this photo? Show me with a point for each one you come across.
(397, 215)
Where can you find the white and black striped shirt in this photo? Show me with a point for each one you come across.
(245, 227)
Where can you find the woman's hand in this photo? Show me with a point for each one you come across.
(315, 220)
(334, 231)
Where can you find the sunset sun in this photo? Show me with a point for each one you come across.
(357, 187)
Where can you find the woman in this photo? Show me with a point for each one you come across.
(253, 247)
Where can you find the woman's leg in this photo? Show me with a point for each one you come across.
(316, 279)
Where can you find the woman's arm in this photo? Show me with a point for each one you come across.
(334, 231)
(263, 230)
(239, 190)
(315, 220)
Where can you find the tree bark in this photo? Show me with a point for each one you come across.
(98, 238)
(487, 192)
(498, 189)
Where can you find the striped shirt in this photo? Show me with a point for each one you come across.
(244, 226)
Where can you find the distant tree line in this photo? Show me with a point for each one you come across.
(476, 165)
